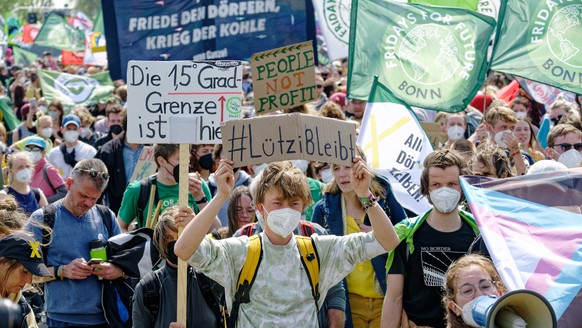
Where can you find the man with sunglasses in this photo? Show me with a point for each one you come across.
(74, 298)
(320, 96)
(565, 145)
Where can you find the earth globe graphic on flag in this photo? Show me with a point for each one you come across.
(563, 37)
(429, 54)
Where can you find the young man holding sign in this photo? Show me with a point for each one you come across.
(167, 157)
(281, 290)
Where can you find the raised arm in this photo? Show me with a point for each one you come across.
(196, 230)
(361, 176)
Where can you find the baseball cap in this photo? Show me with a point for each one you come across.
(36, 141)
(26, 251)
(71, 119)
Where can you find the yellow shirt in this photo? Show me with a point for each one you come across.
(361, 280)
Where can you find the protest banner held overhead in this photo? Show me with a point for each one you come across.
(181, 102)
(7, 113)
(334, 22)
(532, 228)
(283, 77)
(201, 30)
(146, 164)
(395, 145)
(544, 94)
(57, 33)
(430, 57)
(539, 40)
(74, 90)
(285, 137)
(95, 44)
(23, 57)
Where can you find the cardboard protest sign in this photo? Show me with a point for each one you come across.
(146, 164)
(285, 137)
(283, 77)
(181, 102)
(434, 133)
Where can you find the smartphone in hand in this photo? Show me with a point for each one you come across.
(94, 261)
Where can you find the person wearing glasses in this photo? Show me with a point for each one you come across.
(320, 96)
(45, 176)
(469, 277)
(74, 297)
(561, 108)
(565, 145)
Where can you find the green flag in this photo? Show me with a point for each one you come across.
(8, 115)
(57, 33)
(430, 57)
(540, 41)
(98, 26)
(23, 57)
(467, 4)
(74, 90)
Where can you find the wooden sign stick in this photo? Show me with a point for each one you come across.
(183, 201)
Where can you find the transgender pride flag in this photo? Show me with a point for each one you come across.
(532, 226)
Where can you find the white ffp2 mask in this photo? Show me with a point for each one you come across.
(283, 221)
(445, 199)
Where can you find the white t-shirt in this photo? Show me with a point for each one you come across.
(281, 294)
(82, 151)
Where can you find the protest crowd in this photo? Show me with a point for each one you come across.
(91, 230)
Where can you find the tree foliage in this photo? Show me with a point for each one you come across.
(7, 7)
(89, 8)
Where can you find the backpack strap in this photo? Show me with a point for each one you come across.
(215, 302)
(247, 229)
(49, 222)
(307, 228)
(151, 296)
(106, 217)
(145, 185)
(36, 193)
(246, 277)
(46, 178)
(310, 261)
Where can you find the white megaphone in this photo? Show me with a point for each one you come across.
(516, 309)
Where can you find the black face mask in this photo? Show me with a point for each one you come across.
(172, 257)
(115, 129)
(206, 162)
(176, 173)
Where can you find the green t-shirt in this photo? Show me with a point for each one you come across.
(167, 194)
(316, 189)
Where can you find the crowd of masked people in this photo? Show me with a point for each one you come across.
(84, 245)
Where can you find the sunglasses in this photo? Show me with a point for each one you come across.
(95, 174)
(567, 146)
(33, 149)
(557, 119)
(319, 86)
